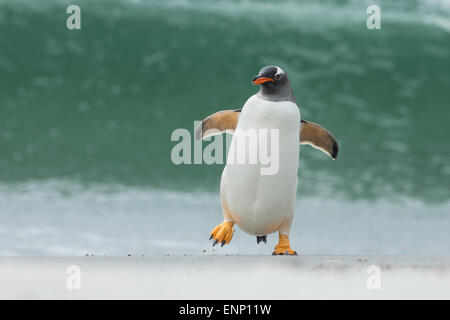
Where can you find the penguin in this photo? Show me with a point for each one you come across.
(263, 204)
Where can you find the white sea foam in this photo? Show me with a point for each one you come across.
(67, 218)
(293, 14)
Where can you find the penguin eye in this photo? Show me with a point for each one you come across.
(277, 76)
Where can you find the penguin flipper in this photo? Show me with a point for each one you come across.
(218, 123)
(318, 138)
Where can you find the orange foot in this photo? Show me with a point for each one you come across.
(283, 247)
(222, 233)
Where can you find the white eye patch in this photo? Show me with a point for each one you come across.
(279, 73)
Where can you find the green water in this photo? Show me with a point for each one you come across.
(99, 104)
(86, 118)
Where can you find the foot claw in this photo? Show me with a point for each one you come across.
(215, 242)
(211, 236)
(285, 253)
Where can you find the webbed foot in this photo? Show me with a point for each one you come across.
(222, 233)
(283, 247)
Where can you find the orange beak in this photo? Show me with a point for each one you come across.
(261, 80)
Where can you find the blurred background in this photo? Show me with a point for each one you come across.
(86, 118)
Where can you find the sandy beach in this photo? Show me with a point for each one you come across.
(224, 277)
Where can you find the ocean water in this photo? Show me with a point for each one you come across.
(86, 118)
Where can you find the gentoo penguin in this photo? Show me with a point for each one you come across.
(258, 203)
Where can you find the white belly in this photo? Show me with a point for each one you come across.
(258, 202)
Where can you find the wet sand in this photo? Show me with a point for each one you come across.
(225, 277)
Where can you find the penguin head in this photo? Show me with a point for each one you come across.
(274, 84)
(270, 76)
